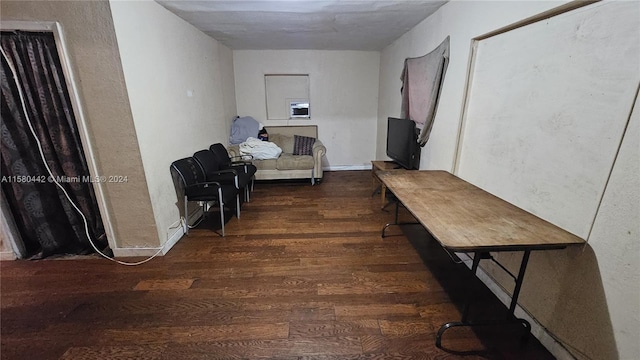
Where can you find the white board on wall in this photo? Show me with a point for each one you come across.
(281, 90)
(546, 108)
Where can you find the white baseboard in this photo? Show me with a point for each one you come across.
(546, 339)
(7, 255)
(134, 252)
(347, 167)
(172, 239)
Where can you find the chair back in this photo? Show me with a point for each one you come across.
(208, 162)
(221, 154)
(189, 171)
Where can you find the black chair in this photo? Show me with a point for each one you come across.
(246, 170)
(196, 188)
(208, 162)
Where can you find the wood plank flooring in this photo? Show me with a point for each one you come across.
(304, 274)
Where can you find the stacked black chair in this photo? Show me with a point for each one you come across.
(197, 188)
(246, 170)
(208, 162)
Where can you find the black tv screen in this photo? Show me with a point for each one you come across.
(402, 143)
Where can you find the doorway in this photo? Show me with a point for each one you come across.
(46, 178)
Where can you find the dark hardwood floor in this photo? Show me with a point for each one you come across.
(304, 274)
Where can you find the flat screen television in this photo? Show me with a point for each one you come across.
(402, 143)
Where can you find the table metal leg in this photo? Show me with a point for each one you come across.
(474, 267)
(516, 290)
(396, 222)
(510, 319)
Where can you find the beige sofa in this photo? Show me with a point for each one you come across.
(289, 166)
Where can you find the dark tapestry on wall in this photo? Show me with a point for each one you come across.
(47, 221)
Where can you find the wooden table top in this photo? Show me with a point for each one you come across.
(463, 217)
(385, 165)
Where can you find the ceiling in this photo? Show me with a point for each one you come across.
(304, 24)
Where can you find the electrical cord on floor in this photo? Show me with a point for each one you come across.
(53, 178)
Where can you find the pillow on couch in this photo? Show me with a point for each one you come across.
(303, 145)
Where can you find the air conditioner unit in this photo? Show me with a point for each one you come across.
(299, 109)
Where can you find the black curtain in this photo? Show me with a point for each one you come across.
(47, 221)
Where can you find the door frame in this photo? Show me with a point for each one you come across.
(78, 110)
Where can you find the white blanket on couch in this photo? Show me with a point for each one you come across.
(260, 150)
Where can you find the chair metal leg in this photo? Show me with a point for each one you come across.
(238, 206)
(222, 216)
(221, 205)
(186, 216)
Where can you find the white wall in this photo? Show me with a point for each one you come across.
(545, 100)
(181, 90)
(586, 298)
(615, 238)
(343, 97)
(93, 56)
(462, 21)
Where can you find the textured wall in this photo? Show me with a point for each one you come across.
(536, 109)
(586, 297)
(228, 87)
(343, 96)
(180, 85)
(90, 36)
(615, 238)
(462, 21)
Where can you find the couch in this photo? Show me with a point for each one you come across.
(289, 166)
